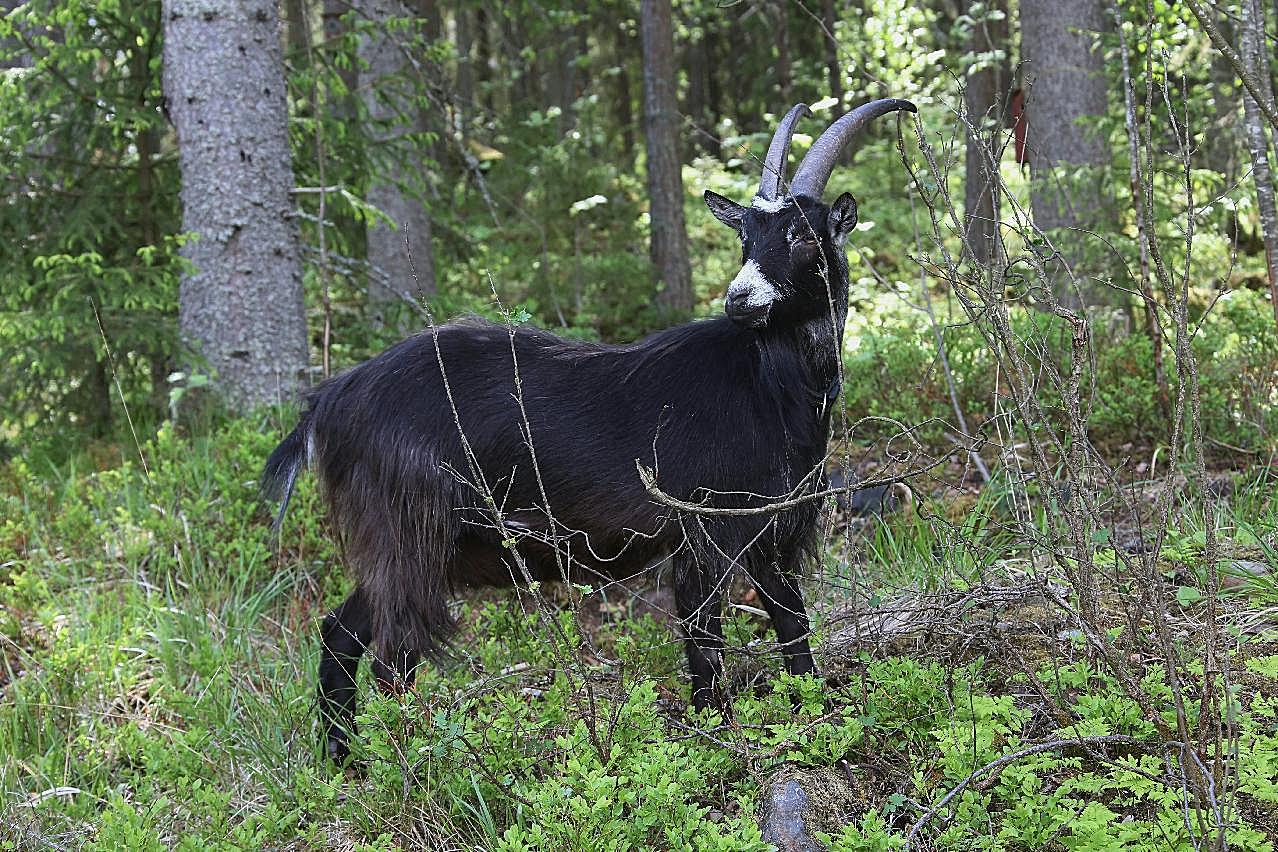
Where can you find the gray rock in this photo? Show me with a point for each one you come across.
(782, 821)
(1248, 568)
(1241, 573)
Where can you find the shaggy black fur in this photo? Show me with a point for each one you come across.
(410, 456)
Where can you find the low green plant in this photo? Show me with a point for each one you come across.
(158, 665)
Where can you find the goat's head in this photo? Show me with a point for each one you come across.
(793, 267)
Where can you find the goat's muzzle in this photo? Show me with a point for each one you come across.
(750, 297)
(740, 311)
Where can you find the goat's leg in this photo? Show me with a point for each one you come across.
(396, 675)
(699, 598)
(344, 635)
(779, 591)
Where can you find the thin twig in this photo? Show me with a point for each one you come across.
(649, 480)
(1253, 86)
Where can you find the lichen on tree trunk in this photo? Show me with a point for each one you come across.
(1066, 89)
(241, 305)
(400, 258)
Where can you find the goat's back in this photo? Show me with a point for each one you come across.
(422, 447)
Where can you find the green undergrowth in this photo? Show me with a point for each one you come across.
(159, 646)
(891, 345)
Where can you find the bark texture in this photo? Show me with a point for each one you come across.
(297, 26)
(564, 78)
(394, 253)
(483, 57)
(785, 74)
(665, 179)
(623, 48)
(334, 26)
(830, 43)
(703, 94)
(242, 306)
(696, 64)
(1253, 54)
(1065, 85)
(465, 23)
(985, 97)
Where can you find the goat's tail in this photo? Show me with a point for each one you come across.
(393, 511)
(281, 470)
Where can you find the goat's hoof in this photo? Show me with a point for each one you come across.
(338, 749)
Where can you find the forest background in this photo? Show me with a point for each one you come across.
(1065, 272)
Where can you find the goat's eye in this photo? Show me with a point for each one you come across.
(803, 241)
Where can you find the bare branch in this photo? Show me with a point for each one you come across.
(1254, 87)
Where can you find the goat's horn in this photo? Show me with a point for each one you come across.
(815, 170)
(774, 163)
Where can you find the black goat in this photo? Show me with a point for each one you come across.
(438, 452)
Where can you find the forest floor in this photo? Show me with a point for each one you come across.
(159, 645)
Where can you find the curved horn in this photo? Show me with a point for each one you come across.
(774, 163)
(815, 170)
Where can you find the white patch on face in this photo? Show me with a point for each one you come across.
(760, 203)
(751, 281)
(309, 457)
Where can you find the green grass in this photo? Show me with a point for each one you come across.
(159, 646)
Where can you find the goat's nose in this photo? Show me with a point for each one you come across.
(742, 310)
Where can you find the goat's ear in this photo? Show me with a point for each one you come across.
(842, 217)
(726, 211)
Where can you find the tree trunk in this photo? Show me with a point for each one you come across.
(1253, 54)
(833, 67)
(565, 75)
(1065, 88)
(984, 98)
(737, 94)
(465, 63)
(624, 105)
(518, 69)
(334, 27)
(297, 26)
(483, 57)
(98, 398)
(400, 258)
(696, 67)
(242, 306)
(431, 16)
(785, 77)
(431, 113)
(714, 90)
(665, 180)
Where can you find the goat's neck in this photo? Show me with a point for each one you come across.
(818, 340)
(821, 340)
(803, 403)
